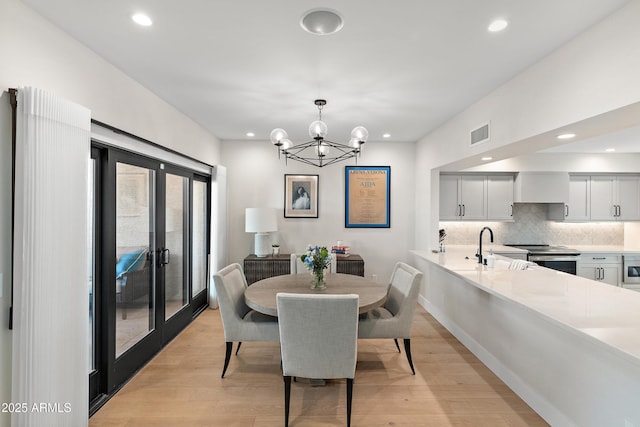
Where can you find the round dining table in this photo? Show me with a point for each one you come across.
(261, 295)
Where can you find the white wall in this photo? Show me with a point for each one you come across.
(35, 53)
(256, 179)
(595, 73)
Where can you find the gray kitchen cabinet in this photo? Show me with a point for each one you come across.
(578, 206)
(500, 197)
(602, 267)
(615, 198)
(463, 197)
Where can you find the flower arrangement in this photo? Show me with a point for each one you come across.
(316, 259)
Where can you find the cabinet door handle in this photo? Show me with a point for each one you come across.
(510, 210)
(619, 211)
(566, 210)
(464, 211)
(459, 211)
(598, 257)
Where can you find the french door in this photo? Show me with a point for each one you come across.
(151, 247)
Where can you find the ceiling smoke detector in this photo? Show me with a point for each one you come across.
(321, 22)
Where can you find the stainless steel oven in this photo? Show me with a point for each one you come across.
(631, 269)
(555, 257)
(565, 263)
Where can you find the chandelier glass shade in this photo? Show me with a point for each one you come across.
(319, 151)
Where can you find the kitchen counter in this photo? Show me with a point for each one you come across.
(569, 346)
(617, 249)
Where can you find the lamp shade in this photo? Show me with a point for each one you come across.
(260, 220)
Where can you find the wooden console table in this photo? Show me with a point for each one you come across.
(261, 268)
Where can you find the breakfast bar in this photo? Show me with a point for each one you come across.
(569, 346)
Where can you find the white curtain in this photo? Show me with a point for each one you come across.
(218, 258)
(51, 312)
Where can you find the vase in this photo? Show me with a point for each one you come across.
(317, 280)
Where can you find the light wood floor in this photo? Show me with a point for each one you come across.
(182, 386)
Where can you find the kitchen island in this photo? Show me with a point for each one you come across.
(569, 346)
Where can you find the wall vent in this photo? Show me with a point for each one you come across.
(480, 135)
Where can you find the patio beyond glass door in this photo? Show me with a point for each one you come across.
(135, 240)
(176, 295)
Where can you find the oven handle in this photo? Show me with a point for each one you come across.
(553, 257)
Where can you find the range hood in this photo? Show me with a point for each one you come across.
(541, 187)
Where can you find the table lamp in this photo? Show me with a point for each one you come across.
(261, 221)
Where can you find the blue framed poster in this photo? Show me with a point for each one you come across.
(367, 197)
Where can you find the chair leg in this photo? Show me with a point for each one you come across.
(227, 357)
(407, 349)
(395, 340)
(349, 398)
(287, 399)
(238, 349)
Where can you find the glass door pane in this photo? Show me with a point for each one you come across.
(135, 240)
(173, 257)
(199, 238)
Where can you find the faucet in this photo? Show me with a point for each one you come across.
(479, 254)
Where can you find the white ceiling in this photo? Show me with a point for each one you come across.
(622, 141)
(401, 67)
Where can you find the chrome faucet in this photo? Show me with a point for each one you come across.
(479, 254)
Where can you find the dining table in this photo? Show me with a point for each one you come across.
(261, 295)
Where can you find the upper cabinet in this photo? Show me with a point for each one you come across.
(615, 198)
(578, 205)
(500, 197)
(473, 197)
(463, 197)
(600, 198)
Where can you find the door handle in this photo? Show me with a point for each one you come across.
(464, 211)
(165, 256)
(566, 211)
(459, 212)
(510, 210)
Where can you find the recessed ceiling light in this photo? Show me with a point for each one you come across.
(250, 134)
(321, 22)
(386, 135)
(487, 158)
(610, 150)
(498, 25)
(566, 136)
(142, 19)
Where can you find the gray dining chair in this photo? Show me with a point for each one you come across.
(395, 317)
(318, 339)
(240, 323)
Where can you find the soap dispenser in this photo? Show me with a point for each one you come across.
(491, 259)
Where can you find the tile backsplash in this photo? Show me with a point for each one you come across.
(531, 226)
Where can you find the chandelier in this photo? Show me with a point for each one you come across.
(319, 151)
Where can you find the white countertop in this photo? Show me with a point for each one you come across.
(606, 314)
(606, 248)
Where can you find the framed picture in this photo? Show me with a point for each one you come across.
(367, 197)
(301, 196)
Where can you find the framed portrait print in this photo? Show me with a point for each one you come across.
(367, 197)
(301, 196)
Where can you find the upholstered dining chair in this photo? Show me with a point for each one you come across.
(394, 319)
(318, 339)
(240, 323)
